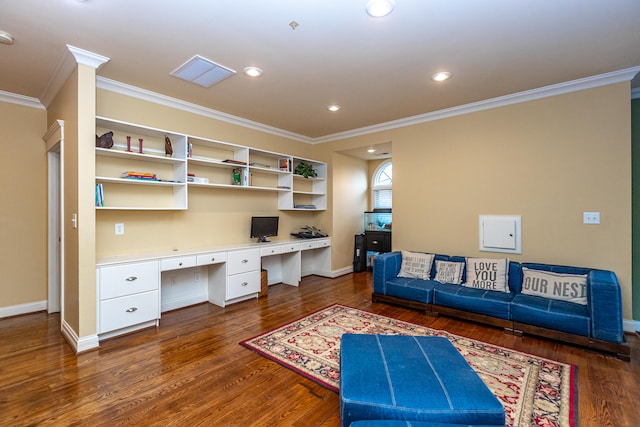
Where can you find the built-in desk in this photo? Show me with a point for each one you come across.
(133, 290)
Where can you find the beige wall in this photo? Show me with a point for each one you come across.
(547, 160)
(214, 216)
(23, 195)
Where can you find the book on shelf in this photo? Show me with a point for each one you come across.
(305, 206)
(262, 165)
(240, 177)
(234, 162)
(99, 196)
(139, 175)
(284, 164)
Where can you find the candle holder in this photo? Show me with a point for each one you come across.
(140, 145)
(128, 143)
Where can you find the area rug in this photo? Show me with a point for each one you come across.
(534, 391)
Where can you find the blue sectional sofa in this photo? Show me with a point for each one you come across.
(596, 324)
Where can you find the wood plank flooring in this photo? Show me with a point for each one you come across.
(191, 371)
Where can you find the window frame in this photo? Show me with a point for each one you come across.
(375, 186)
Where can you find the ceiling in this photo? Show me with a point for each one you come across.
(377, 69)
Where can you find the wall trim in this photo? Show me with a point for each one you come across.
(178, 104)
(25, 101)
(341, 272)
(78, 344)
(27, 308)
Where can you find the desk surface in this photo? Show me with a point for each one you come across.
(150, 256)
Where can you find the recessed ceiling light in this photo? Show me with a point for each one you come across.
(334, 107)
(442, 76)
(252, 71)
(380, 8)
(6, 38)
(371, 150)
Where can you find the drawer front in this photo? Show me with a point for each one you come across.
(126, 311)
(271, 250)
(127, 279)
(324, 243)
(177, 263)
(243, 261)
(211, 258)
(243, 284)
(377, 242)
(308, 245)
(292, 247)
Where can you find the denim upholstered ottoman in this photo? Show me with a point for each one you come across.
(397, 423)
(414, 378)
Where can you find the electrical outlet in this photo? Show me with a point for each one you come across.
(591, 217)
(119, 229)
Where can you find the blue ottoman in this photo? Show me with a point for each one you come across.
(396, 423)
(411, 378)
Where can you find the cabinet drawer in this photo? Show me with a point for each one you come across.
(378, 241)
(211, 258)
(324, 243)
(177, 263)
(292, 247)
(243, 261)
(126, 311)
(308, 245)
(271, 250)
(243, 284)
(127, 279)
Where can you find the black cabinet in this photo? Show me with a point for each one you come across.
(378, 241)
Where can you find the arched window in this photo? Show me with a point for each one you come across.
(381, 186)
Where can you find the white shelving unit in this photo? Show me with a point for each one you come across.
(169, 191)
(197, 162)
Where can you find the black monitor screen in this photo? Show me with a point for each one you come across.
(263, 227)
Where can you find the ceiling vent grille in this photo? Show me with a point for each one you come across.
(202, 71)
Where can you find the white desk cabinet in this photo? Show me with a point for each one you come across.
(128, 296)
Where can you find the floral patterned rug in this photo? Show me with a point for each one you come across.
(534, 391)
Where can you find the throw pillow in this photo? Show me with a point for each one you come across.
(488, 273)
(416, 265)
(449, 272)
(563, 287)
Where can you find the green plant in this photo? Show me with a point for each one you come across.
(306, 169)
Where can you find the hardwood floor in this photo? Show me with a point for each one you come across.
(192, 371)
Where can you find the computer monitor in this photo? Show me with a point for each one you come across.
(263, 227)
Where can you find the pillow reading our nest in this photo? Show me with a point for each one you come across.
(563, 287)
(416, 265)
(449, 272)
(488, 273)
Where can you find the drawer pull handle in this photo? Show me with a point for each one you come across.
(244, 261)
(213, 259)
(244, 284)
(131, 310)
(180, 264)
(131, 278)
(375, 242)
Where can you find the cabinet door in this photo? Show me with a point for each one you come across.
(378, 241)
(117, 313)
(240, 285)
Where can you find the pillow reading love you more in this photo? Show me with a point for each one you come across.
(416, 265)
(563, 287)
(488, 273)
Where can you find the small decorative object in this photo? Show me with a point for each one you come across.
(140, 145)
(128, 143)
(306, 169)
(105, 140)
(168, 149)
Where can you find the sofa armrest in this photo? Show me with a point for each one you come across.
(605, 305)
(385, 266)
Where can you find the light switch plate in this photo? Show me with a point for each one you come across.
(591, 217)
(119, 229)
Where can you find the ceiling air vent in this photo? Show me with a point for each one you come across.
(202, 71)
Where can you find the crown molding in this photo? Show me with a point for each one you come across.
(167, 101)
(71, 57)
(26, 101)
(558, 89)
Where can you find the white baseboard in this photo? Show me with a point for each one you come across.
(16, 310)
(78, 344)
(631, 325)
(341, 271)
(186, 301)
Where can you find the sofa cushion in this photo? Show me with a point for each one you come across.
(449, 272)
(551, 314)
(488, 273)
(558, 286)
(416, 265)
(488, 303)
(411, 289)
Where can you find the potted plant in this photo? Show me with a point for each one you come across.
(306, 169)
